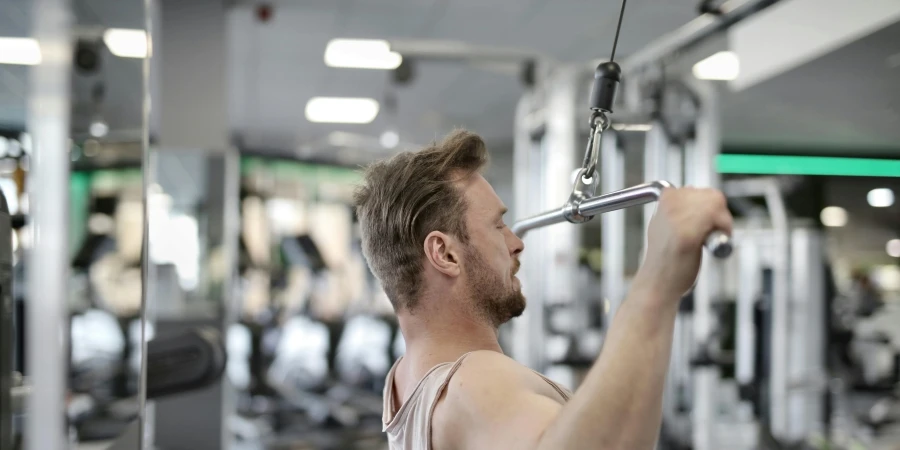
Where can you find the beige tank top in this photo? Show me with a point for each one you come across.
(409, 428)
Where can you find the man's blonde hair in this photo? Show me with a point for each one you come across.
(404, 198)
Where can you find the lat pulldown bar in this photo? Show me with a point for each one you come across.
(583, 204)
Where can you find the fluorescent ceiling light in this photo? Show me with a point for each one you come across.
(126, 43)
(632, 126)
(361, 54)
(21, 51)
(341, 110)
(721, 66)
(807, 165)
(893, 248)
(880, 198)
(833, 216)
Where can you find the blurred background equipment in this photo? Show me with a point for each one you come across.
(7, 325)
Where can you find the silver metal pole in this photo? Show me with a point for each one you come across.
(231, 233)
(47, 310)
(655, 167)
(613, 201)
(656, 148)
(718, 243)
(778, 375)
(524, 182)
(612, 178)
(146, 410)
(558, 157)
(624, 198)
(701, 160)
(231, 230)
(749, 274)
(806, 365)
(528, 181)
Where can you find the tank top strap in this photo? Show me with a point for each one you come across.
(432, 385)
(563, 392)
(443, 385)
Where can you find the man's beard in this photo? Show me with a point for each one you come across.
(493, 298)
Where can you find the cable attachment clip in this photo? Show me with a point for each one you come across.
(587, 179)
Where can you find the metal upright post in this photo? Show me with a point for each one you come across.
(47, 313)
(778, 377)
(558, 159)
(781, 291)
(612, 178)
(190, 114)
(560, 149)
(749, 280)
(679, 377)
(663, 160)
(147, 409)
(527, 184)
(807, 334)
(700, 159)
(656, 166)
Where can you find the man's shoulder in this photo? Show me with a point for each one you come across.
(485, 376)
(480, 383)
(490, 358)
(481, 361)
(491, 398)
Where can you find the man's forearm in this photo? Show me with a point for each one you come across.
(619, 404)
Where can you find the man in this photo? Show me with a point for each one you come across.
(433, 233)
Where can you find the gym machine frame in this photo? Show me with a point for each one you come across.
(537, 126)
(793, 252)
(583, 205)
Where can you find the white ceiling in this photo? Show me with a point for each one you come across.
(847, 101)
(277, 66)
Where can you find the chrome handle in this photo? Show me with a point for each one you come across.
(718, 243)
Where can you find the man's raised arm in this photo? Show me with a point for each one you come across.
(490, 403)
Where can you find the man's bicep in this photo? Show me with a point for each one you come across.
(490, 407)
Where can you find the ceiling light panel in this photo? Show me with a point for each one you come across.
(19, 51)
(341, 110)
(720, 66)
(361, 54)
(126, 43)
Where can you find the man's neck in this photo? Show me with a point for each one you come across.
(433, 337)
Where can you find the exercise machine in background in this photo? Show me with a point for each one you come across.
(669, 119)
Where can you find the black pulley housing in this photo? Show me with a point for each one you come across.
(606, 82)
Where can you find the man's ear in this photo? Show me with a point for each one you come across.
(442, 254)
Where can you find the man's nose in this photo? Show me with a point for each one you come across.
(518, 246)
